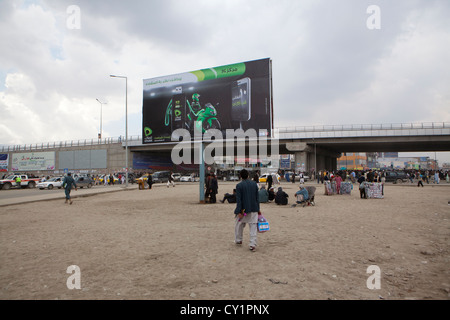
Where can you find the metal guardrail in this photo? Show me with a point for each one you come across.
(364, 130)
(359, 127)
(67, 143)
(324, 131)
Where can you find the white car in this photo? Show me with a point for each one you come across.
(187, 179)
(263, 178)
(51, 183)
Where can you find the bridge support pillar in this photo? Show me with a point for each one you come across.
(308, 161)
(309, 157)
(301, 161)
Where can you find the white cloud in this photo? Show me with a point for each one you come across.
(328, 68)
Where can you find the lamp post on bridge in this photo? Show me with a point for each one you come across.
(101, 116)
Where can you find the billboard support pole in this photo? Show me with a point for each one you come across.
(126, 126)
(201, 149)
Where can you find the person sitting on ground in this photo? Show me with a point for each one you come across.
(263, 195)
(271, 194)
(281, 198)
(301, 195)
(231, 198)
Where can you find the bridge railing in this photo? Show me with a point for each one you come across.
(68, 144)
(364, 130)
(318, 131)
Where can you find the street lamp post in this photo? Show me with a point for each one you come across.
(101, 116)
(126, 125)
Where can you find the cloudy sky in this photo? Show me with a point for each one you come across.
(329, 67)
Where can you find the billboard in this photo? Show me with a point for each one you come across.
(144, 161)
(236, 96)
(3, 162)
(33, 161)
(83, 159)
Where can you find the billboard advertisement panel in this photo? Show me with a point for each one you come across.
(33, 161)
(236, 96)
(3, 162)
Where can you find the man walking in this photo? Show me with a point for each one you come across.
(68, 182)
(247, 209)
(170, 180)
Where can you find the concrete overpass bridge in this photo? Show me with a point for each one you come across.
(313, 146)
(320, 146)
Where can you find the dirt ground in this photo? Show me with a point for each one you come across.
(163, 244)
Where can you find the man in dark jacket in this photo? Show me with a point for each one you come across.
(281, 197)
(271, 195)
(362, 187)
(68, 182)
(231, 198)
(370, 176)
(207, 187)
(247, 209)
(149, 181)
(269, 181)
(213, 188)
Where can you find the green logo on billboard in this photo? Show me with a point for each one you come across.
(220, 72)
(148, 131)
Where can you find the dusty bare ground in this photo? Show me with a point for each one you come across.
(163, 244)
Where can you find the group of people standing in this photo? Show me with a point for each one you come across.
(370, 175)
(426, 176)
(109, 179)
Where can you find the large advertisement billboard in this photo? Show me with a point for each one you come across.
(33, 161)
(3, 162)
(236, 96)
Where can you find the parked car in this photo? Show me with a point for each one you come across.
(188, 178)
(263, 178)
(102, 179)
(395, 176)
(51, 183)
(82, 182)
(144, 177)
(177, 176)
(131, 177)
(297, 176)
(160, 176)
(305, 177)
(26, 182)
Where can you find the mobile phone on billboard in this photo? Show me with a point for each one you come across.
(241, 100)
(178, 111)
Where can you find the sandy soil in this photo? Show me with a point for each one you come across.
(163, 244)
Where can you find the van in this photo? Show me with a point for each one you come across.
(160, 176)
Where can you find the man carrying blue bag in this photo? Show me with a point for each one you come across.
(247, 209)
